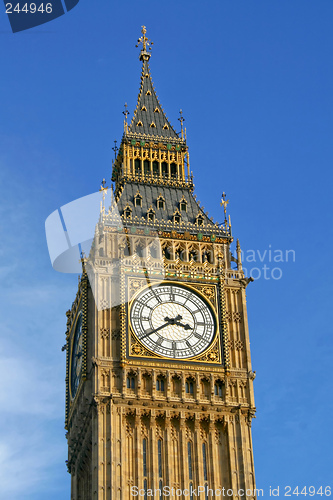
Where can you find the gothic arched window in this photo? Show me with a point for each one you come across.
(160, 384)
(189, 458)
(128, 212)
(150, 215)
(176, 217)
(160, 458)
(160, 202)
(183, 205)
(167, 253)
(155, 168)
(146, 167)
(218, 389)
(199, 220)
(138, 200)
(130, 383)
(164, 168)
(189, 387)
(137, 167)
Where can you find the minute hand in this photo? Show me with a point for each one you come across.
(156, 330)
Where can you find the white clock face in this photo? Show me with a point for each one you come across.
(172, 321)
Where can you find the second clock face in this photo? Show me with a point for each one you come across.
(76, 362)
(172, 321)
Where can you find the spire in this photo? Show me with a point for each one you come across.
(149, 119)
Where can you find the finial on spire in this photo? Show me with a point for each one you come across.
(181, 119)
(126, 113)
(239, 256)
(104, 190)
(146, 45)
(115, 149)
(83, 260)
(224, 204)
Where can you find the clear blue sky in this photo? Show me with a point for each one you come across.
(254, 79)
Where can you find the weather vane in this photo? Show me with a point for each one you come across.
(146, 43)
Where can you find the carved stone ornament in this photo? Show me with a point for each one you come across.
(159, 432)
(228, 315)
(188, 433)
(239, 346)
(144, 430)
(134, 286)
(213, 355)
(104, 333)
(137, 349)
(129, 429)
(237, 317)
(208, 291)
(115, 335)
(104, 304)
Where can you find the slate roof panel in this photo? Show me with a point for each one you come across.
(148, 117)
(172, 197)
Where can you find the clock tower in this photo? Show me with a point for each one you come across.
(159, 385)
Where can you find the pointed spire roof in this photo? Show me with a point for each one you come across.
(149, 118)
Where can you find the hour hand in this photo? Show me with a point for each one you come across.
(186, 327)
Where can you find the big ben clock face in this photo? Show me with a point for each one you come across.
(76, 357)
(172, 321)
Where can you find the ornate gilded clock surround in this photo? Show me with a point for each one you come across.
(209, 293)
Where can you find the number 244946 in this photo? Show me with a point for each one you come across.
(29, 8)
(311, 491)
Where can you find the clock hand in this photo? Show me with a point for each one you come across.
(172, 321)
(157, 329)
(187, 326)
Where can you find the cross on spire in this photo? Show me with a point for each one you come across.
(146, 44)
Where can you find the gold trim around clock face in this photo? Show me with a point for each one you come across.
(209, 353)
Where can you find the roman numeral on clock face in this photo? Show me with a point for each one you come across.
(172, 296)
